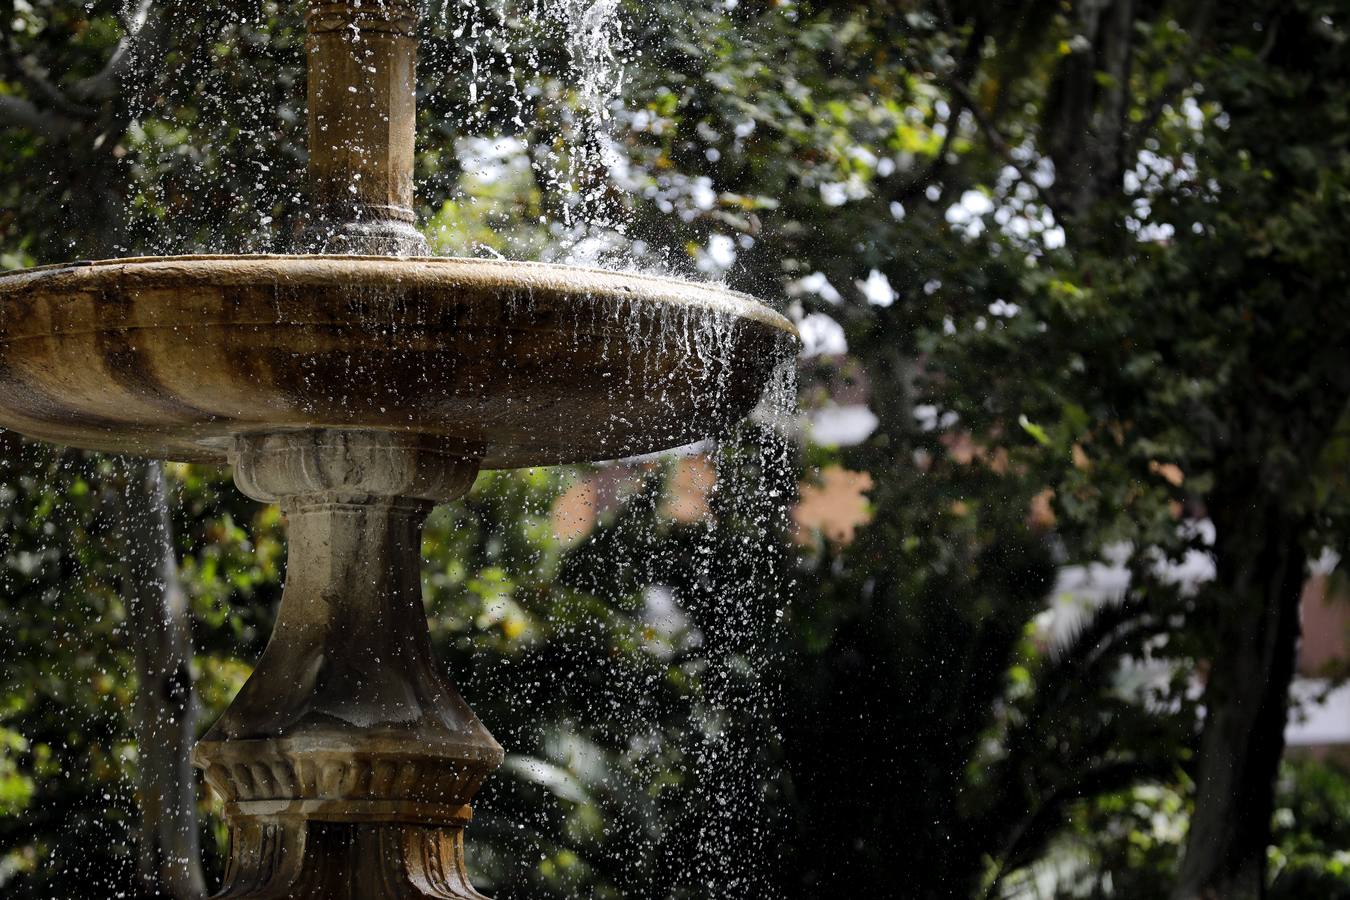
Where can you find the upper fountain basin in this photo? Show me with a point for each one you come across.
(519, 363)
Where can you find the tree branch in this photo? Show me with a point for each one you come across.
(27, 69)
(65, 112)
(16, 112)
(966, 68)
(1179, 76)
(997, 141)
(1092, 781)
(142, 25)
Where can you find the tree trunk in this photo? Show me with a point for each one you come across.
(1260, 573)
(165, 706)
(1087, 106)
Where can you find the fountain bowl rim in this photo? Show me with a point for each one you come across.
(439, 270)
(172, 405)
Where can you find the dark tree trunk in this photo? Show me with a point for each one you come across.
(1259, 582)
(165, 706)
(1087, 106)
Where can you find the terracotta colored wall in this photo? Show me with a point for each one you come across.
(1326, 628)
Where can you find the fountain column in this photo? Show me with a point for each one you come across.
(362, 64)
(347, 762)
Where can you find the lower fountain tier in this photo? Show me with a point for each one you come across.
(512, 363)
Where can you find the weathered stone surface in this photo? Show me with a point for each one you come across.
(294, 858)
(362, 126)
(347, 749)
(521, 363)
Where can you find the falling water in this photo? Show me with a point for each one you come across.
(714, 596)
(541, 78)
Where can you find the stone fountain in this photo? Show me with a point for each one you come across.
(357, 386)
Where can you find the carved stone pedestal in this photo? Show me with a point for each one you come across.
(347, 762)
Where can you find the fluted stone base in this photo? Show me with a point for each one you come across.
(293, 858)
(347, 762)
